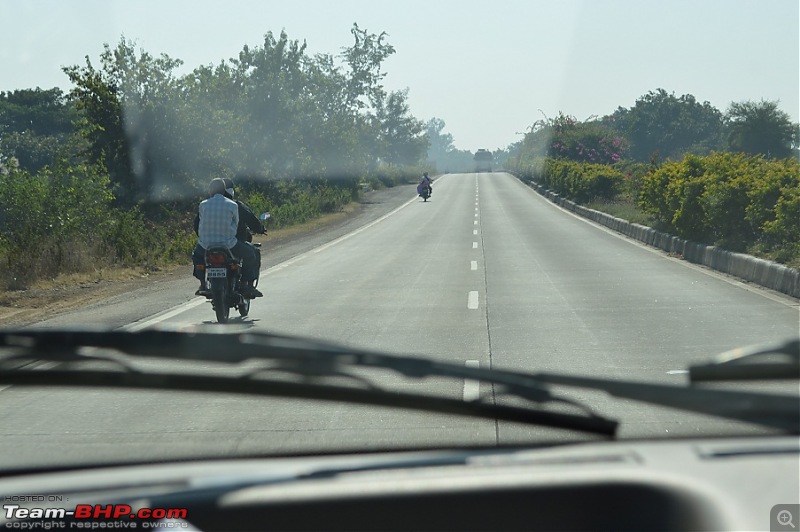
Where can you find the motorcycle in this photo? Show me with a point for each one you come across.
(223, 280)
(424, 192)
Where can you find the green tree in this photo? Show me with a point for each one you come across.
(308, 117)
(439, 143)
(128, 115)
(32, 152)
(211, 118)
(51, 217)
(760, 128)
(662, 125)
(501, 155)
(43, 112)
(274, 112)
(442, 153)
(365, 60)
(35, 126)
(275, 86)
(402, 136)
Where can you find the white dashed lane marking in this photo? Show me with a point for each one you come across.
(472, 300)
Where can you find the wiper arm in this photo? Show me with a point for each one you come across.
(769, 410)
(312, 361)
(748, 364)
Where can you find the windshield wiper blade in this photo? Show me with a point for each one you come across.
(312, 361)
(749, 364)
(301, 390)
(298, 356)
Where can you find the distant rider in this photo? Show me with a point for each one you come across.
(217, 225)
(424, 183)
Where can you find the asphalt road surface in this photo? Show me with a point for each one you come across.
(487, 273)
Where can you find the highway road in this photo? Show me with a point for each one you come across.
(485, 274)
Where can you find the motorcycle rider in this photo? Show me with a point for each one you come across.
(249, 223)
(217, 224)
(424, 183)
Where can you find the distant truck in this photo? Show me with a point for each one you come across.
(483, 160)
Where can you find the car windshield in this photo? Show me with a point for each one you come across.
(615, 194)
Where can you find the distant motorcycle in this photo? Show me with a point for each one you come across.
(424, 192)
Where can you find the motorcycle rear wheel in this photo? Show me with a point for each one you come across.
(219, 299)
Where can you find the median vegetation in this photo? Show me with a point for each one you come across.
(731, 180)
(738, 202)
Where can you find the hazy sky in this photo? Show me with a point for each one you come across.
(488, 68)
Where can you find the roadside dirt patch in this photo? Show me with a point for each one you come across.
(46, 298)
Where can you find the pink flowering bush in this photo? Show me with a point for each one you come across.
(587, 142)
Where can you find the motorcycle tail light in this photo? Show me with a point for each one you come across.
(216, 260)
(234, 266)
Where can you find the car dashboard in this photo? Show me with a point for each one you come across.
(708, 484)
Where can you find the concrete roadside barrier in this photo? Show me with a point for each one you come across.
(762, 272)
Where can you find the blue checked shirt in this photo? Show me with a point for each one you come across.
(219, 218)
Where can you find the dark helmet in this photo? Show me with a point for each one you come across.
(217, 186)
(229, 188)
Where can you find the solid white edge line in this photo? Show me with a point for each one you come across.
(180, 309)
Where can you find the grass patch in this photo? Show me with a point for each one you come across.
(622, 208)
(313, 224)
(84, 278)
(788, 256)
